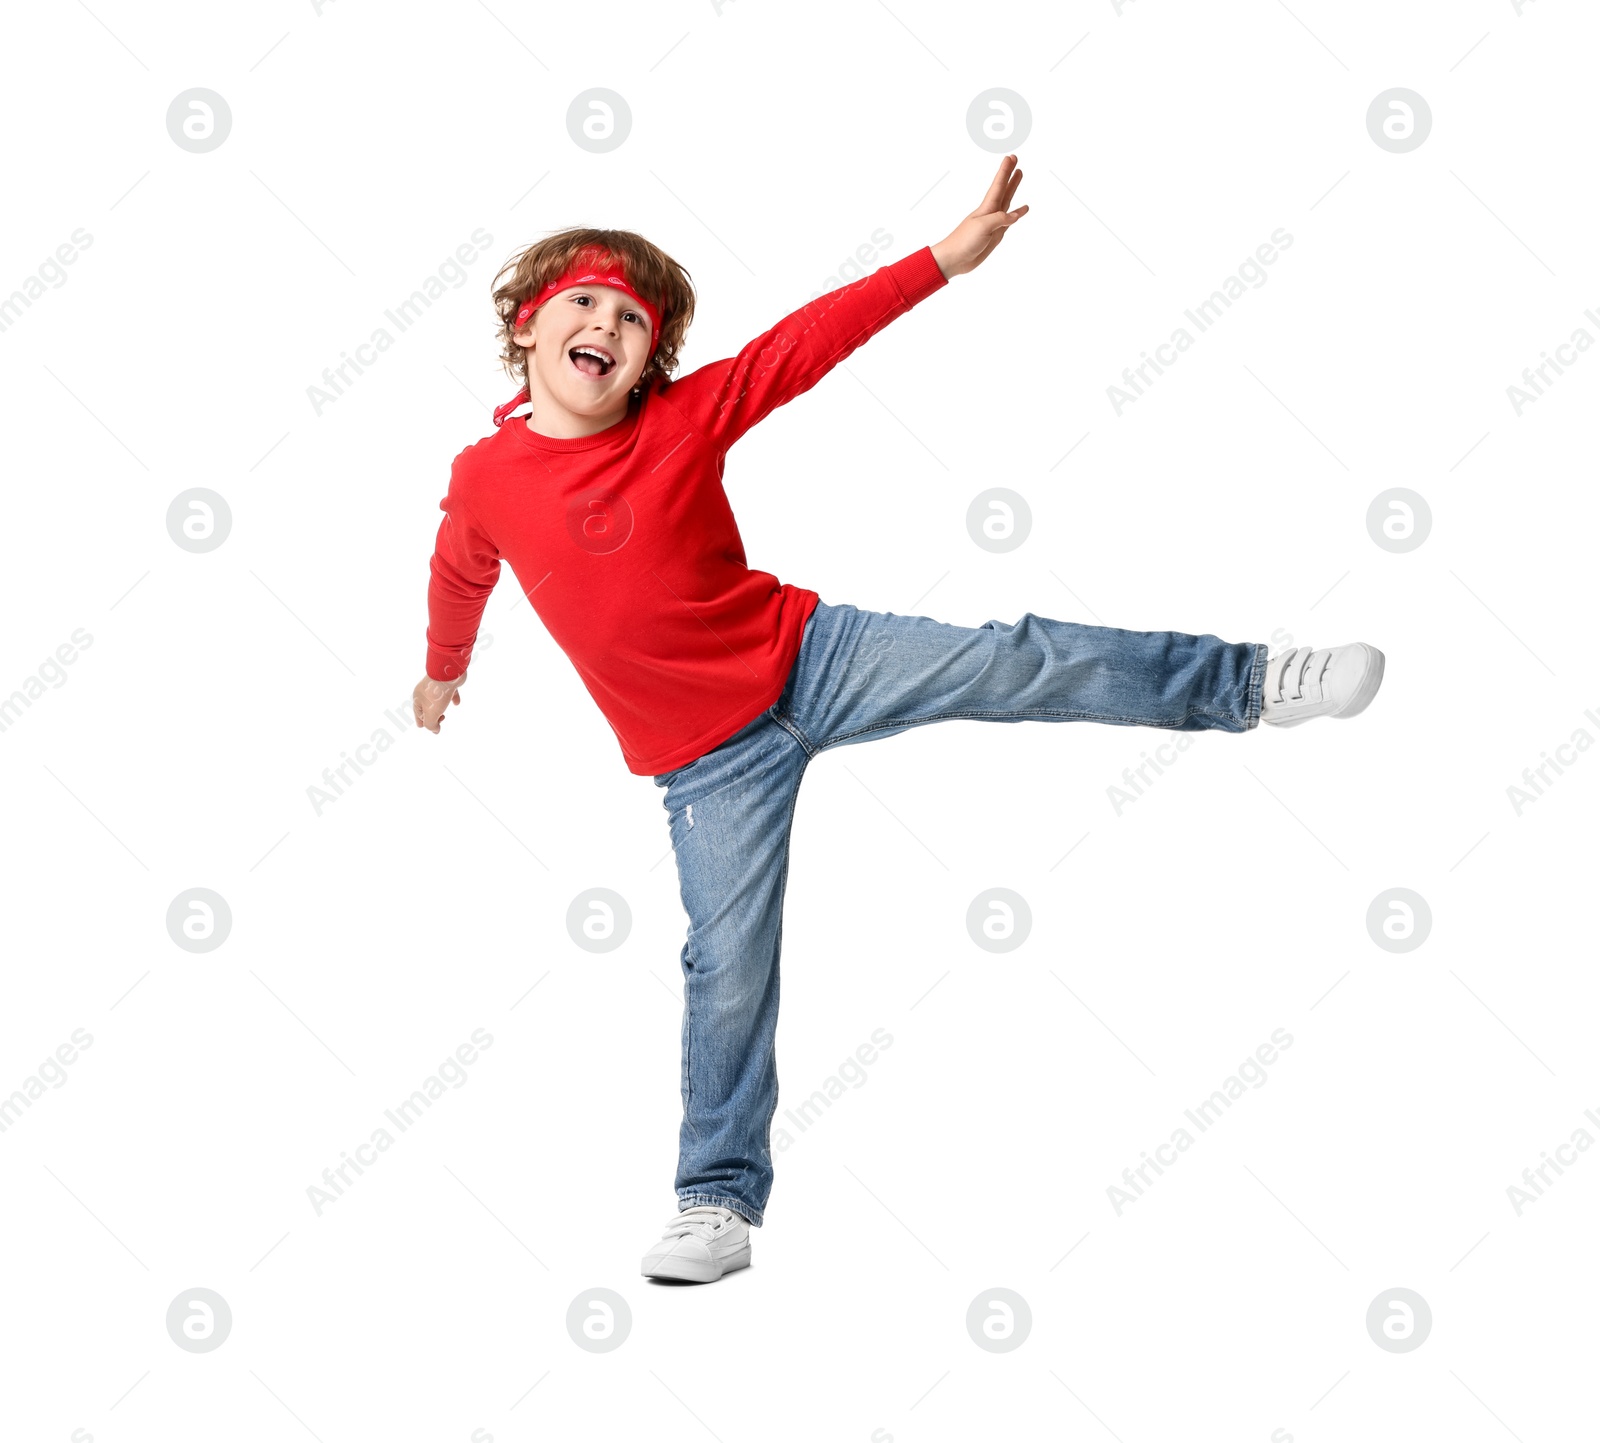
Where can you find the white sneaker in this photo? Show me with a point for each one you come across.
(700, 1245)
(1339, 681)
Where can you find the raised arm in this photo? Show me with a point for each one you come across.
(726, 398)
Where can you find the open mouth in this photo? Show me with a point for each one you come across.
(591, 362)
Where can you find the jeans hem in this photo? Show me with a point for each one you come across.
(1253, 696)
(719, 1200)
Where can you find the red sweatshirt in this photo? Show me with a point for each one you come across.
(625, 544)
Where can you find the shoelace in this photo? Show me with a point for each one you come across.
(1282, 665)
(702, 1220)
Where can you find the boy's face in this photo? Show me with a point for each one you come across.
(599, 318)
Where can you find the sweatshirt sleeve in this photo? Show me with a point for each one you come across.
(724, 399)
(462, 572)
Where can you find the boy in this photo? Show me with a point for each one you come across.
(721, 683)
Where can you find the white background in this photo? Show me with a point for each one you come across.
(368, 942)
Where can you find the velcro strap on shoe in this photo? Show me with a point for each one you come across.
(1272, 686)
(1311, 678)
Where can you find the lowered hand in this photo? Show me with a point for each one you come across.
(429, 700)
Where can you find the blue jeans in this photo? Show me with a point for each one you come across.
(860, 675)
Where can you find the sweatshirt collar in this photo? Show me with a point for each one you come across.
(517, 424)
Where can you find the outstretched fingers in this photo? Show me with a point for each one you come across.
(1011, 189)
(1001, 188)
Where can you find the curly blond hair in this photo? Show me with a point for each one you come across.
(658, 278)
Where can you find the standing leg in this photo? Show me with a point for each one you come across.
(861, 675)
(730, 814)
(866, 674)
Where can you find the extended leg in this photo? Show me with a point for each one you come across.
(863, 674)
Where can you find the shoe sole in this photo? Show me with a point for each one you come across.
(685, 1271)
(1363, 694)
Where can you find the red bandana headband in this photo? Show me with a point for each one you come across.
(582, 272)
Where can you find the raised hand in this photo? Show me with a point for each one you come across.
(967, 245)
